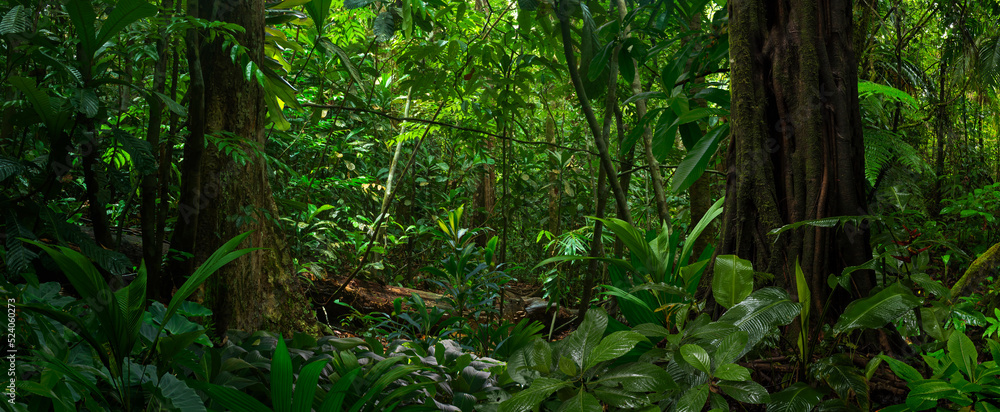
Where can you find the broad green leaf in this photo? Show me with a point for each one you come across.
(582, 402)
(281, 378)
(125, 13)
(305, 386)
(732, 372)
(638, 377)
(962, 353)
(568, 367)
(319, 11)
(875, 311)
(930, 390)
(694, 399)
(177, 394)
(620, 398)
(763, 310)
(932, 319)
(38, 98)
(697, 357)
(581, 343)
(745, 391)
(846, 379)
(612, 346)
(796, 398)
(711, 331)
(730, 347)
(81, 13)
(696, 160)
(529, 399)
(732, 281)
(335, 397)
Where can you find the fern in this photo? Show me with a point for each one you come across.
(15, 21)
(885, 149)
(139, 151)
(9, 167)
(866, 88)
(17, 255)
(989, 61)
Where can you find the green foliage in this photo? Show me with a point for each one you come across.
(957, 378)
(112, 325)
(877, 310)
(580, 370)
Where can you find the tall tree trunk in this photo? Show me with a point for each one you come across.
(941, 134)
(260, 290)
(796, 151)
(180, 262)
(148, 209)
(555, 179)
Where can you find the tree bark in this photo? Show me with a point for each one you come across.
(152, 251)
(796, 151)
(259, 290)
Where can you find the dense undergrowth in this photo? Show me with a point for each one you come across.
(439, 145)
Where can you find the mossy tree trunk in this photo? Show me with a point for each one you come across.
(259, 290)
(796, 151)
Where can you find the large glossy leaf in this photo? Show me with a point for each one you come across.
(696, 160)
(125, 13)
(533, 395)
(638, 377)
(697, 357)
(693, 400)
(763, 310)
(962, 353)
(319, 11)
(902, 370)
(581, 343)
(178, 394)
(796, 398)
(875, 311)
(745, 391)
(732, 281)
(847, 380)
(582, 401)
(612, 346)
(729, 348)
(929, 390)
(732, 372)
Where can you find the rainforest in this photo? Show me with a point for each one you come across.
(500, 205)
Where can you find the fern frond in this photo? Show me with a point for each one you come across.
(866, 88)
(9, 167)
(15, 21)
(885, 149)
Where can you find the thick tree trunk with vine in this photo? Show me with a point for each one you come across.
(484, 199)
(796, 151)
(260, 290)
